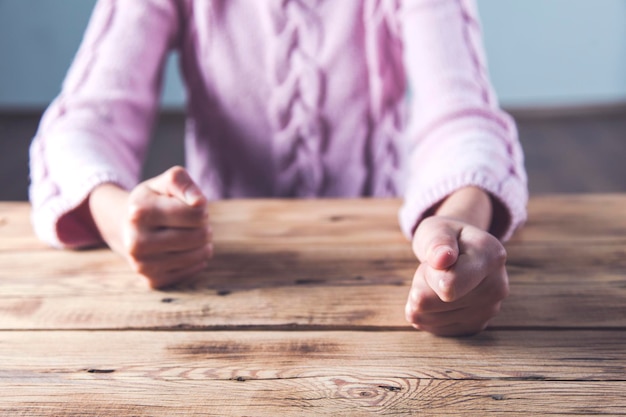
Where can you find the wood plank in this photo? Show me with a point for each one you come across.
(552, 218)
(80, 290)
(574, 218)
(254, 222)
(298, 274)
(314, 265)
(16, 232)
(540, 305)
(565, 355)
(311, 373)
(348, 394)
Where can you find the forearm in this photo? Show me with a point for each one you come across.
(108, 205)
(470, 205)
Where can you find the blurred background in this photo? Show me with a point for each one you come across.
(558, 66)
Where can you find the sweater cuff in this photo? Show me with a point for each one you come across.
(64, 171)
(511, 194)
(62, 222)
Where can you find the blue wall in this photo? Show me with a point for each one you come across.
(541, 52)
(555, 52)
(38, 39)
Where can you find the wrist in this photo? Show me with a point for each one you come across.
(471, 205)
(107, 204)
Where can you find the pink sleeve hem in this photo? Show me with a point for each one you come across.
(47, 217)
(511, 193)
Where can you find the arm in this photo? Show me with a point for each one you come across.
(457, 133)
(467, 183)
(97, 130)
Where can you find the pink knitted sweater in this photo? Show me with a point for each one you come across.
(285, 98)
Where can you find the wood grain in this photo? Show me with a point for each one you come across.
(98, 301)
(308, 373)
(301, 314)
(313, 265)
(566, 218)
(345, 395)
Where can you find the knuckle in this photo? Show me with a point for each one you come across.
(496, 251)
(495, 254)
(500, 290)
(158, 282)
(487, 313)
(205, 235)
(201, 235)
(208, 251)
(476, 329)
(138, 214)
(500, 254)
(177, 175)
(469, 329)
(415, 246)
(482, 325)
(197, 215)
(133, 249)
(420, 320)
(503, 291)
(494, 310)
(147, 271)
(420, 302)
(137, 266)
(133, 245)
(497, 293)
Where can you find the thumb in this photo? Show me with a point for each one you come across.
(436, 243)
(176, 182)
(443, 253)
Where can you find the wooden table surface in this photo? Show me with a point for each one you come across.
(301, 314)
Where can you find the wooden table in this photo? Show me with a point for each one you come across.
(301, 314)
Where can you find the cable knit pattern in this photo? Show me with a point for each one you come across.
(387, 88)
(285, 98)
(297, 94)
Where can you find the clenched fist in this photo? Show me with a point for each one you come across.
(161, 227)
(461, 280)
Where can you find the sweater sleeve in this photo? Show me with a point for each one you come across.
(97, 129)
(457, 134)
